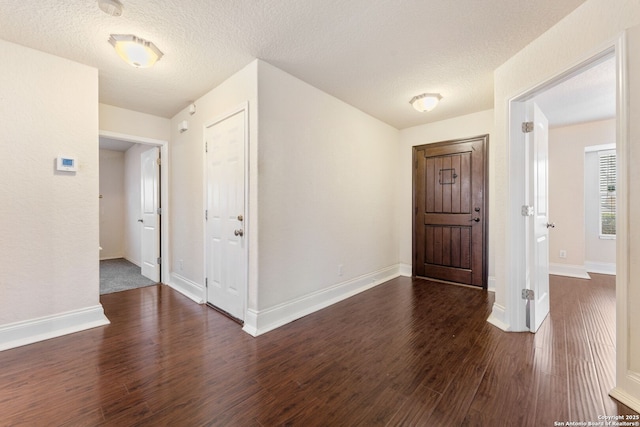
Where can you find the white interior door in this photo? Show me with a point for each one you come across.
(149, 194)
(538, 224)
(225, 218)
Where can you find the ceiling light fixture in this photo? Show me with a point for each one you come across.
(426, 101)
(110, 7)
(135, 51)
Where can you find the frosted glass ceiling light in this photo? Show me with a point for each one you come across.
(425, 102)
(135, 51)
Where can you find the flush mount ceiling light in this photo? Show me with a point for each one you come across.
(135, 51)
(425, 102)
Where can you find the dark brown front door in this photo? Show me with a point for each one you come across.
(450, 211)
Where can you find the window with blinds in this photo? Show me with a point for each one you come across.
(607, 185)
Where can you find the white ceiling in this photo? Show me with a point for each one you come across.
(372, 54)
(589, 96)
(114, 144)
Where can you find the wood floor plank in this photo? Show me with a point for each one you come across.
(408, 352)
(469, 374)
(508, 382)
(551, 400)
(585, 399)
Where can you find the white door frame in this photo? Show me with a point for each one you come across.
(515, 244)
(164, 191)
(243, 107)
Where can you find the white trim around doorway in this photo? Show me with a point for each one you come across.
(164, 192)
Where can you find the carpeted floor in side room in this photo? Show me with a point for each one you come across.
(120, 275)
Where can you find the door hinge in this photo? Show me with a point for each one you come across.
(527, 127)
(206, 146)
(159, 161)
(159, 211)
(527, 210)
(206, 215)
(528, 294)
(159, 260)
(206, 282)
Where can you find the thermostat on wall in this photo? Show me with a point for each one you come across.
(67, 164)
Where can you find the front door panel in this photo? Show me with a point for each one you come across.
(449, 207)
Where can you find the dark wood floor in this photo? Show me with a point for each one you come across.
(409, 352)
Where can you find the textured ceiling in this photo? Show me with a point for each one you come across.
(372, 54)
(591, 95)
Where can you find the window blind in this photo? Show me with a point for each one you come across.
(607, 180)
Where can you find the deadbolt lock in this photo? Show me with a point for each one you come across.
(240, 218)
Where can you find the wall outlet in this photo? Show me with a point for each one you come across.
(563, 253)
(340, 269)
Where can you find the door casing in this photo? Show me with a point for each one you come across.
(165, 270)
(516, 249)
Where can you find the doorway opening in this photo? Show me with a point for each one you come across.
(516, 228)
(566, 101)
(133, 228)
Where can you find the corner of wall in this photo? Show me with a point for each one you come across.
(258, 322)
(498, 318)
(188, 288)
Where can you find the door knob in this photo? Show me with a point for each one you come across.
(239, 232)
(551, 225)
(475, 219)
(140, 220)
(240, 218)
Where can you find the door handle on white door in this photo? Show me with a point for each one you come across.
(551, 225)
(140, 220)
(239, 232)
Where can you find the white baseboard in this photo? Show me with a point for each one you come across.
(262, 321)
(498, 316)
(406, 270)
(107, 258)
(491, 283)
(600, 267)
(43, 328)
(187, 287)
(134, 262)
(625, 398)
(568, 270)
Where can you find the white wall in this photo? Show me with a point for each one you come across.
(48, 219)
(112, 204)
(470, 125)
(586, 31)
(567, 192)
(328, 178)
(129, 122)
(186, 153)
